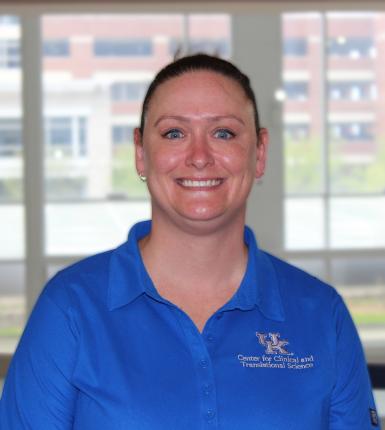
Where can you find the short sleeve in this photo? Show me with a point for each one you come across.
(37, 392)
(352, 405)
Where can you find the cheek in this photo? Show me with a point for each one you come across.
(163, 160)
(239, 160)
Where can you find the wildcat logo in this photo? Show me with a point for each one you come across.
(273, 345)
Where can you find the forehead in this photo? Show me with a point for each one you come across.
(199, 87)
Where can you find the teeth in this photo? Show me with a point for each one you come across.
(208, 183)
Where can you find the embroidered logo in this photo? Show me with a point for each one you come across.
(272, 343)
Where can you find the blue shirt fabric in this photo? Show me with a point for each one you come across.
(103, 350)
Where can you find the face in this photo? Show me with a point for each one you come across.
(199, 149)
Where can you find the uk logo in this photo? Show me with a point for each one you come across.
(272, 343)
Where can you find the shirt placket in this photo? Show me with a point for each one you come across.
(200, 345)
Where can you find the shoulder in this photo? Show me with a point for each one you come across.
(298, 287)
(81, 281)
(298, 280)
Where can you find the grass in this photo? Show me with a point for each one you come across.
(369, 319)
(11, 331)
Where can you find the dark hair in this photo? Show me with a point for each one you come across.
(200, 62)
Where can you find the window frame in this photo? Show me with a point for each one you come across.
(271, 193)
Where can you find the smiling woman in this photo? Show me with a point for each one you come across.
(201, 163)
(167, 330)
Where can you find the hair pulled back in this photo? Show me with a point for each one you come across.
(198, 62)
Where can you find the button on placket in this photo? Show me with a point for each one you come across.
(200, 345)
(208, 399)
(207, 389)
(210, 414)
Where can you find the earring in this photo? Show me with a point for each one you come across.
(142, 177)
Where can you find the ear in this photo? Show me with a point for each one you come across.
(263, 142)
(139, 152)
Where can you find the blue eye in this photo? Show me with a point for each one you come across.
(224, 133)
(174, 133)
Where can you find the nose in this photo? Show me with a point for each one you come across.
(199, 153)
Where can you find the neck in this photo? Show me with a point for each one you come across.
(185, 260)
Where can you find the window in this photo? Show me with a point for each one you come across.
(93, 107)
(334, 172)
(66, 136)
(128, 91)
(9, 20)
(10, 137)
(352, 90)
(9, 54)
(352, 132)
(296, 131)
(12, 214)
(122, 134)
(334, 181)
(351, 46)
(296, 90)
(122, 48)
(56, 48)
(295, 46)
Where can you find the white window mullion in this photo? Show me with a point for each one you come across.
(257, 51)
(325, 142)
(33, 154)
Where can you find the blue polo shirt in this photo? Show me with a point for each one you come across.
(102, 350)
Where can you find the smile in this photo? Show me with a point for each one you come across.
(199, 183)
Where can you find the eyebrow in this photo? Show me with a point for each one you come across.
(187, 119)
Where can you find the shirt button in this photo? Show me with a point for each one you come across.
(210, 338)
(207, 389)
(210, 414)
(204, 363)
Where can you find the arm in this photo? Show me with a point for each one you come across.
(38, 393)
(352, 399)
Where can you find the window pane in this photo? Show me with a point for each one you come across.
(93, 96)
(357, 222)
(56, 48)
(356, 113)
(12, 305)
(92, 103)
(304, 223)
(122, 47)
(301, 50)
(11, 186)
(351, 180)
(87, 228)
(361, 281)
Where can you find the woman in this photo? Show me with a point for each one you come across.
(188, 325)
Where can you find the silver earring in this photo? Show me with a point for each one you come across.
(142, 177)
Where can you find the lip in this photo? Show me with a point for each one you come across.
(200, 183)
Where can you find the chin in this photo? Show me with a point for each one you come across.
(202, 213)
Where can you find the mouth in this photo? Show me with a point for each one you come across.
(200, 183)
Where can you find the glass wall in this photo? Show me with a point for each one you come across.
(335, 154)
(96, 71)
(12, 253)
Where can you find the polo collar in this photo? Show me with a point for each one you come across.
(260, 286)
(128, 278)
(126, 268)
